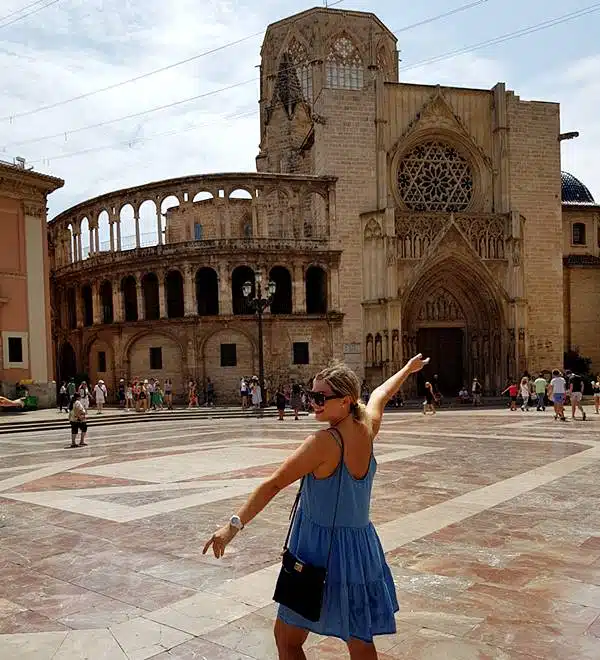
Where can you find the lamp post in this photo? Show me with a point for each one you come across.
(258, 304)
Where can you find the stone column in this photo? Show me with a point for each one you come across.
(334, 296)
(111, 227)
(225, 300)
(97, 238)
(159, 224)
(137, 228)
(117, 297)
(189, 298)
(162, 303)
(78, 306)
(141, 310)
(96, 306)
(298, 290)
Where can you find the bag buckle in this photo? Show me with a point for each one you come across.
(298, 567)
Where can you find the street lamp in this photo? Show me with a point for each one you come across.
(258, 304)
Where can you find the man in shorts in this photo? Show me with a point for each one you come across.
(576, 386)
(540, 385)
(557, 390)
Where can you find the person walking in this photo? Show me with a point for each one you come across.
(121, 394)
(244, 393)
(576, 388)
(513, 391)
(84, 395)
(100, 395)
(296, 400)
(557, 390)
(169, 393)
(78, 421)
(210, 393)
(429, 403)
(71, 388)
(596, 391)
(476, 391)
(331, 526)
(256, 393)
(129, 397)
(541, 385)
(525, 393)
(63, 398)
(280, 403)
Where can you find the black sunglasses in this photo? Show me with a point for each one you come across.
(319, 397)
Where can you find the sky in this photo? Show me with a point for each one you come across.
(68, 48)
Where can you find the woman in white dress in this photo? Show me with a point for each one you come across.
(100, 396)
(256, 394)
(84, 396)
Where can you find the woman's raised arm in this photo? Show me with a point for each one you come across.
(382, 394)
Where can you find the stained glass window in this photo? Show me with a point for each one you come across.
(344, 66)
(435, 177)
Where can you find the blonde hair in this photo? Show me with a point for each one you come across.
(344, 382)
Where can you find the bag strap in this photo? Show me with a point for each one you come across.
(340, 441)
(338, 436)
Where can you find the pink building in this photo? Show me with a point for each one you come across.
(26, 352)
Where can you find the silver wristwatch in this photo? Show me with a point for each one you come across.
(235, 521)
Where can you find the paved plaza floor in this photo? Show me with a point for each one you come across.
(490, 521)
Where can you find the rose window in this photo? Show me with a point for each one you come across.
(435, 177)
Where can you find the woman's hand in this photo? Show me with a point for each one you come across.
(220, 539)
(417, 363)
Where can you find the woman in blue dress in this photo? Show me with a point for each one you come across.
(360, 599)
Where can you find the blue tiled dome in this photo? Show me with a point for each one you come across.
(573, 191)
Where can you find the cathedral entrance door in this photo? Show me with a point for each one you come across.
(445, 348)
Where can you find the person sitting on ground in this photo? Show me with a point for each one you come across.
(77, 419)
(463, 395)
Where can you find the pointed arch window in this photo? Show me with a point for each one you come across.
(344, 67)
(299, 58)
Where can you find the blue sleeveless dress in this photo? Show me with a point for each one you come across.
(360, 598)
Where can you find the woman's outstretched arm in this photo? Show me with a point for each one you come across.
(382, 394)
(314, 451)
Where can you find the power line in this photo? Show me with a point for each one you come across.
(108, 122)
(28, 113)
(501, 39)
(57, 104)
(451, 12)
(30, 13)
(507, 37)
(131, 116)
(134, 141)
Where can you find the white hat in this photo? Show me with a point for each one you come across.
(101, 382)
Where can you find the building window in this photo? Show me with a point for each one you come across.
(344, 66)
(228, 355)
(156, 362)
(15, 349)
(197, 231)
(579, 233)
(298, 57)
(101, 362)
(301, 355)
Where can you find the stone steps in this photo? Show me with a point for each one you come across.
(112, 417)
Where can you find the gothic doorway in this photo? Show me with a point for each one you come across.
(445, 347)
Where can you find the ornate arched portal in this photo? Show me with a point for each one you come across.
(454, 314)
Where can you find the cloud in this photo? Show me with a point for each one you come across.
(78, 46)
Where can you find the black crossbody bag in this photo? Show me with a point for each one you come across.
(301, 586)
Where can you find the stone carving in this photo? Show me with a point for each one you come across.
(441, 306)
(378, 349)
(373, 230)
(370, 353)
(416, 233)
(395, 346)
(344, 67)
(434, 176)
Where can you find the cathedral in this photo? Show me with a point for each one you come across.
(392, 218)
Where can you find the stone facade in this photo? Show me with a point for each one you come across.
(437, 209)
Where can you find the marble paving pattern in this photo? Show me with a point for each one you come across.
(490, 521)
